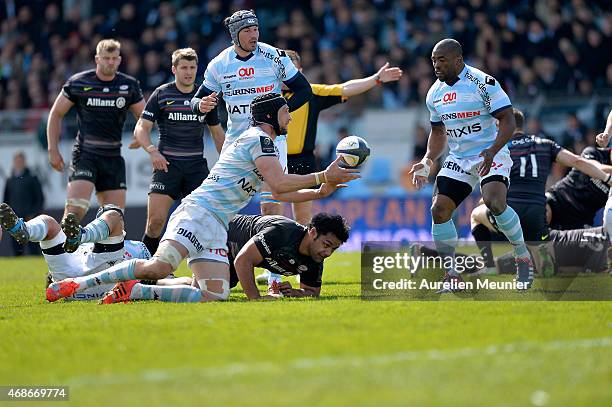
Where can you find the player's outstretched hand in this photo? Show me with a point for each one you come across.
(485, 165)
(158, 161)
(208, 103)
(134, 144)
(420, 172)
(56, 160)
(386, 74)
(327, 188)
(285, 288)
(337, 175)
(603, 139)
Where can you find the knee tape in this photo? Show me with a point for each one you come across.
(168, 254)
(79, 203)
(223, 295)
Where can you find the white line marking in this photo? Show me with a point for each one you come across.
(257, 367)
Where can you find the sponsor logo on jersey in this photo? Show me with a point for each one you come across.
(267, 145)
(147, 113)
(186, 102)
(97, 102)
(246, 186)
(239, 109)
(246, 72)
(123, 87)
(120, 102)
(262, 240)
(449, 97)
(192, 238)
(229, 76)
(249, 91)
(301, 268)
(459, 115)
(481, 89)
(464, 131)
(185, 117)
(106, 90)
(87, 88)
(169, 102)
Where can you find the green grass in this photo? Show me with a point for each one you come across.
(335, 351)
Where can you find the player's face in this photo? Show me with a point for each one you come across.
(284, 117)
(323, 246)
(248, 38)
(445, 65)
(185, 72)
(108, 62)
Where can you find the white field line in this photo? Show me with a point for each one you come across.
(242, 368)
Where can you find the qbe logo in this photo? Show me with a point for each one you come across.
(450, 97)
(246, 72)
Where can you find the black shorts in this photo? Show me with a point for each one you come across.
(533, 221)
(107, 173)
(182, 178)
(586, 248)
(302, 164)
(563, 218)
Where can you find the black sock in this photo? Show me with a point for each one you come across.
(482, 235)
(151, 242)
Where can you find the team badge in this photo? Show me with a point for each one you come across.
(120, 103)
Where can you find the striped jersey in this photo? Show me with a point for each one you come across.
(234, 179)
(102, 108)
(240, 80)
(466, 109)
(181, 131)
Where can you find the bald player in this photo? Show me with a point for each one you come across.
(464, 104)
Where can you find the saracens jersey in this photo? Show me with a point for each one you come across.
(240, 80)
(278, 240)
(579, 194)
(234, 179)
(102, 108)
(180, 130)
(467, 110)
(532, 158)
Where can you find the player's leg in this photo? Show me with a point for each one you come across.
(78, 196)
(110, 182)
(34, 230)
(158, 206)
(108, 222)
(482, 229)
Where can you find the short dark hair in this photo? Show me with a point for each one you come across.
(326, 223)
(519, 118)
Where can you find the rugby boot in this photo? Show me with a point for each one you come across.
(524, 272)
(73, 231)
(14, 225)
(120, 292)
(61, 289)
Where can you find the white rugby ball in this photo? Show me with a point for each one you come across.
(354, 151)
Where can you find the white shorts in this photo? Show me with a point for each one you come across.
(81, 263)
(466, 169)
(281, 145)
(198, 230)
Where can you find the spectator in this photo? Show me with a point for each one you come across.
(23, 193)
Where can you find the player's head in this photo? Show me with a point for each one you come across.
(243, 27)
(519, 118)
(185, 66)
(108, 57)
(327, 232)
(271, 109)
(447, 59)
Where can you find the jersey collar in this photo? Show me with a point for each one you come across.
(458, 78)
(243, 59)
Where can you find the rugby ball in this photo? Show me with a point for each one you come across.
(354, 151)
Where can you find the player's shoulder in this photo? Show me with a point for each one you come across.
(166, 88)
(262, 46)
(83, 76)
(222, 59)
(478, 77)
(433, 89)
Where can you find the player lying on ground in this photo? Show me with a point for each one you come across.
(102, 245)
(532, 159)
(275, 243)
(464, 105)
(198, 227)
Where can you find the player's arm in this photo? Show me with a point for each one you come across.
(604, 138)
(358, 86)
(302, 92)
(137, 108)
(244, 263)
(436, 144)
(589, 167)
(279, 182)
(218, 135)
(60, 107)
(303, 291)
(142, 134)
(305, 195)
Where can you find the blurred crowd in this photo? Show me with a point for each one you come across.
(531, 46)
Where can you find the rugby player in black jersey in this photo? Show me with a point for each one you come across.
(102, 97)
(532, 159)
(178, 161)
(285, 247)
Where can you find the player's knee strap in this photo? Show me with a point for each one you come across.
(109, 207)
(266, 198)
(225, 288)
(168, 254)
(79, 203)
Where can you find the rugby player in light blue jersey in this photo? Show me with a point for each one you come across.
(198, 227)
(464, 105)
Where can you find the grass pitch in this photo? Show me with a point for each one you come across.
(334, 351)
